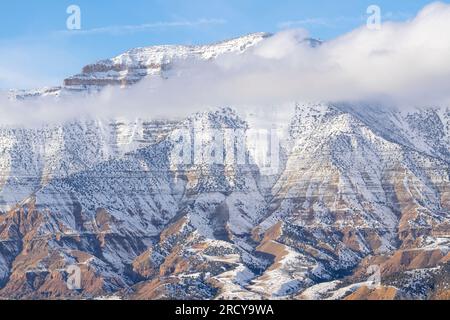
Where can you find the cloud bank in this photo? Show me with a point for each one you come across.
(403, 64)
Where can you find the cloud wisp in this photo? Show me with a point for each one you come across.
(128, 29)
(337, 21)
(403, 64)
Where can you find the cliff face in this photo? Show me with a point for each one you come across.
(134, 65)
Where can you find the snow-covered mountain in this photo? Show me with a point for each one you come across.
(139, 63)
(358, 187)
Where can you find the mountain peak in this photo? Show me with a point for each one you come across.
(138, 63)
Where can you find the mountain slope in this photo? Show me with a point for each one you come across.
(153, 209)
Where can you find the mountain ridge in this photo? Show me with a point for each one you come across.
(358, 188)
(135, 64)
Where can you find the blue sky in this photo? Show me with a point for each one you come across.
(36, 49)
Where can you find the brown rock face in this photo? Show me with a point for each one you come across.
(382, 293)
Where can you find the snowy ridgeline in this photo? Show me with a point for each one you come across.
(213, 207)
(137, 64)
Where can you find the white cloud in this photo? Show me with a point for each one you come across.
(403, 64)
(332, 22)
(126, 29)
